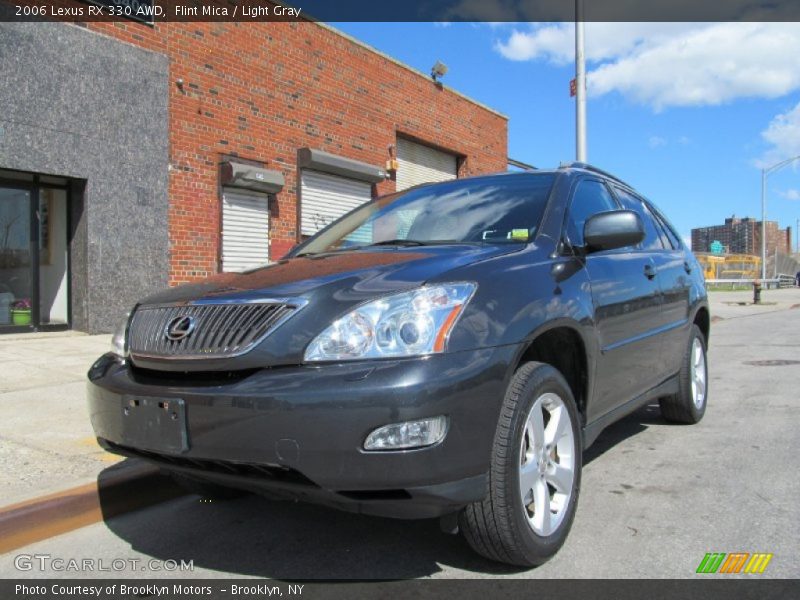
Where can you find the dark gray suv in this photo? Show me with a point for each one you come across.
(446, 351)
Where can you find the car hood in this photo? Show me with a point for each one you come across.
(328, 285)
(358, 274)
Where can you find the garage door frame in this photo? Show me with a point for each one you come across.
(402, 137)
(331, 164)
(244, 192)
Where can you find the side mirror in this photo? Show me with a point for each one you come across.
(613, 229)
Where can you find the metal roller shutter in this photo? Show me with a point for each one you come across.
(245, 229)
(418, 163)
(324, 198)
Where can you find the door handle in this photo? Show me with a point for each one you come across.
(687, 267)
(649, 271)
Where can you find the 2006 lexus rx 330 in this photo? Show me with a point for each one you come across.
(446, 351)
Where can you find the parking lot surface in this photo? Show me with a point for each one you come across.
(655, 497)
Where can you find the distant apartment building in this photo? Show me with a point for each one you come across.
(742, 236)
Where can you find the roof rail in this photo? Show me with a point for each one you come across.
(520, 165)
(588, 167)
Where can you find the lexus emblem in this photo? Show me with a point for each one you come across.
(179, 328)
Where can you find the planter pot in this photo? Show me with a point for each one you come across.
(20, 316)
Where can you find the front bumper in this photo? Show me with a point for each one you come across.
(298, 431)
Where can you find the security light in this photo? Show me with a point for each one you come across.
(438, 70)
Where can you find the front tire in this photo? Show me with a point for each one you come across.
(535, 472)
(689, 404)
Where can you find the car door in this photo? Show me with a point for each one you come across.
(674, 267)
(672, 272)
(627, 302)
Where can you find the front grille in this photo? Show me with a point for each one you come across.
(218, 331)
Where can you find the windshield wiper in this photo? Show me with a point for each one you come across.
(394, 242)
(399, 242)
(341, 249)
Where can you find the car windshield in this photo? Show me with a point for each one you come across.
(493, 210)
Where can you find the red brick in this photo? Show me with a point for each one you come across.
(263, 90)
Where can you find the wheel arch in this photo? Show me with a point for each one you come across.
(702, 319)
(562, 345)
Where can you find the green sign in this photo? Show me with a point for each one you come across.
(716, 247)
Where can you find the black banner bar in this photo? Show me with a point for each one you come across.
(155, 11)
(706, 587)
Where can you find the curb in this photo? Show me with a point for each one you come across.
(117, 491)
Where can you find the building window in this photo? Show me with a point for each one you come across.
(34, 261)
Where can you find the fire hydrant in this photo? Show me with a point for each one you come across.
(756, 292)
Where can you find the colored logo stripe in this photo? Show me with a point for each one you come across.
(734, 562)
(711, 562)
(714, 562)
(758, 563)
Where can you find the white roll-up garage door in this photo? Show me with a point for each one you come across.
(324, 198)
(417, 163)
(245, 229)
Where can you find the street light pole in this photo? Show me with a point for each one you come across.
(580, 85)
(763, 224)
(764, 173)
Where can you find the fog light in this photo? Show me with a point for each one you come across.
(411, 434)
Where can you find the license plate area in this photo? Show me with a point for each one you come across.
(157, 424)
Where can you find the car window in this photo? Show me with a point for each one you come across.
(669, 229)
(590, 197)
(652, 237)
(662, 232)
(489, 210)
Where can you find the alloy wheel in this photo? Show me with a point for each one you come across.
(547, 464)
(698, 373)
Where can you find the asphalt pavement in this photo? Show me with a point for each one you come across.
(655, 497)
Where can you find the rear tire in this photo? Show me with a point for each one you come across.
(534, 475)
(689, 404)
(207, 490)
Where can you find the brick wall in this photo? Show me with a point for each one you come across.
(262, 90)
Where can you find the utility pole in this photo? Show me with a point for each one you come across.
(580, 85)
(763, 225)
(764, 172)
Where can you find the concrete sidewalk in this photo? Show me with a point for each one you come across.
(46, 440)
(734, 304)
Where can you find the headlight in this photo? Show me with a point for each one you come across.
(119, 341)
(405, 324)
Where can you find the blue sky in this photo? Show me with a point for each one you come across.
(686, 113)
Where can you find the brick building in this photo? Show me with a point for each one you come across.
(160, 154)
(743, 236)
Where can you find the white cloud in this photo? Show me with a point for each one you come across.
(556, 42)
(672, 64)
(783, 136)
(790, 194)
(631, 11)
(656, 141)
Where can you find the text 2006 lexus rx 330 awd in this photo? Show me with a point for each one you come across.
(446, 351)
